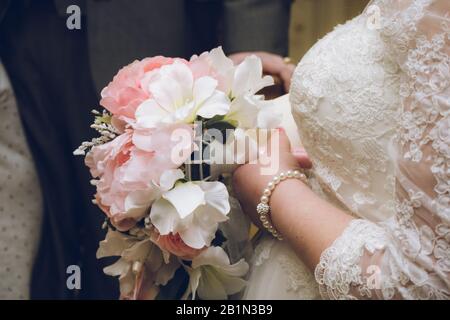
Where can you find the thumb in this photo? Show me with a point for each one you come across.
(279, 141)
(302, 158)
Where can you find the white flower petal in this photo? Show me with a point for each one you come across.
(194, 279)
(214, 256)
(218, 277)
(180, 73)
(216, 105)
(149, 114)
(167, 271)
(137, 202)
(167, 93)
(113, 245)
(243, 113)
(169, 177)
(154, 258)
(204, 87)
(118, 268)
(248, 77)
(138, 251)
(220, 61)
(173, 87)
(184, 113)
(199, 229)
(216, 195)
(268, 116)
(238, 269)
(236, 228)
(127, 282)
(197, 236)
(210, 287)
(164, 216)
(231, 284)
(224, 68)
(185, 197)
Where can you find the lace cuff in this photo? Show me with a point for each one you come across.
(340, 272)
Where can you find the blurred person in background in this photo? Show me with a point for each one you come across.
(57, 74)
(20, 200)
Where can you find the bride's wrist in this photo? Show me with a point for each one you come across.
(281, 202)
(275, 190)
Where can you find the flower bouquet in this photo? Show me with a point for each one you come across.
(161, 168)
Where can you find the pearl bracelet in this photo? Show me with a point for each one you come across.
(263, 207)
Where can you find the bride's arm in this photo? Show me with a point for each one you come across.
(309, 223)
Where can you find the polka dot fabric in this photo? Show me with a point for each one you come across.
(20, 200)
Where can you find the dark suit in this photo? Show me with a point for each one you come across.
(57, 73)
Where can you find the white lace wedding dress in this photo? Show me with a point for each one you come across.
(372, 103)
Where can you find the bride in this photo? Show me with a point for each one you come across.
(372, 220)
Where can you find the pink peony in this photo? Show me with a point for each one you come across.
(129, 177)
(125, 93)
(174, 244)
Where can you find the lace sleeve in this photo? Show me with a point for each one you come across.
(407, 256)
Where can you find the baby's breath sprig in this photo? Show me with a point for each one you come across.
(102, 124)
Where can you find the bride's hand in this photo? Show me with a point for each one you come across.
(249, 180)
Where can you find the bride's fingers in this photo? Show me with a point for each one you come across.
(302, 158)
(286, 75)
(285, 143)
(272, 64)
(275, 65)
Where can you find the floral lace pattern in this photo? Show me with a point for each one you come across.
(298, 279)
(406, 256)
(288, 277)
(345, 106)
(339, 267)
(262, 252)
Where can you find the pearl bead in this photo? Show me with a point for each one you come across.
(264, 199)
(263, 208)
